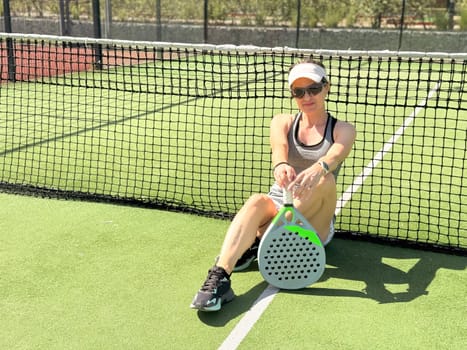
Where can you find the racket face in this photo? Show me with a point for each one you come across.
(291, 256)
(289, 261)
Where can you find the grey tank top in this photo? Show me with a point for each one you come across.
(302, 156)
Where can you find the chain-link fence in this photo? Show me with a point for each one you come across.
(420, 14)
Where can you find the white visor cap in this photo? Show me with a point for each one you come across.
(307, 70)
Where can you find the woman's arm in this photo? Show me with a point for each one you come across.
(280, 125)
(344, 138)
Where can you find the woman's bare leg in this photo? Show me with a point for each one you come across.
(320, 206)
(249, 222)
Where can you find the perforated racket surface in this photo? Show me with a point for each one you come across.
(290, 254)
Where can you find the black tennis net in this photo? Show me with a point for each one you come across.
(186, 127)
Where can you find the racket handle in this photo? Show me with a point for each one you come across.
(287, 196)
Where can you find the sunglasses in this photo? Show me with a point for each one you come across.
(311, 90)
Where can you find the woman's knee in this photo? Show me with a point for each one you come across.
(325, 191)
(258, 211)
(322, 201)
(327, 183)
(259, 201)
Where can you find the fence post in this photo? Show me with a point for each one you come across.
(158, 21)
(401, 31)
(108, 19)
(97, 34)
(65, 21)
(9, 41)
(299, 9)
(451, 11)
(206, 17)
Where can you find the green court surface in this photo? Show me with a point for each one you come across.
(81, 275)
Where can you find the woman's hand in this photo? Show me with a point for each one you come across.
(302, 186)
(284, 174)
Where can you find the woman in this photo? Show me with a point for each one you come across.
(308, 149)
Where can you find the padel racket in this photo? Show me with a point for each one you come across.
(290, 254)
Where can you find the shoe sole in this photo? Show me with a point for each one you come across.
(226, 298)
(241, 267)
(245, 265)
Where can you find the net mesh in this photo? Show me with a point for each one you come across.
(186, 127)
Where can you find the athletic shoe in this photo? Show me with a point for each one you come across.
(248, 257)
(215, 291)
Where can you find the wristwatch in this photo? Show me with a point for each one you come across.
(325, 166)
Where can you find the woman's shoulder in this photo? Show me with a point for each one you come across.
(283, 118)
(344, 127)
(341, 124)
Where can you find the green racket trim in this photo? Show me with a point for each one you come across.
(281, 213)
(308, 234)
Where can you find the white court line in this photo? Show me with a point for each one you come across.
(249, 319)
(360, 179)
(247, 322)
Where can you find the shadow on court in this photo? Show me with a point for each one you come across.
(378, 266)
